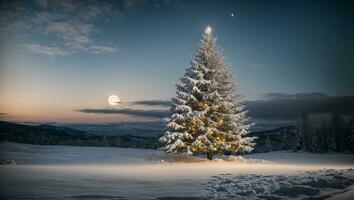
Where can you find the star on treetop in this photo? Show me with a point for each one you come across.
(208, 30)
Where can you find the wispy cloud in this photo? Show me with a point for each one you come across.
(46, 50)
(97, 49)
(310, 95)
(74, 33)
(156, 102)
(70, 23)
(127, 111)
(158, 4)
(163, 103)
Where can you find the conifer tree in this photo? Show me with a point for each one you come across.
(284, 140)
(350, 138)
(299, 141)
(206, 115)
(268, 145)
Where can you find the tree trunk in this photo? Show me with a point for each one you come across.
(210, 156)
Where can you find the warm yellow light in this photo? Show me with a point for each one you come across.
(208, 30)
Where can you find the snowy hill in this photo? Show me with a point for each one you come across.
(59, 172)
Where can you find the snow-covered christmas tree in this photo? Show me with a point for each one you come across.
(207, 116)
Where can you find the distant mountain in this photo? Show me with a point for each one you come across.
(143, 129)
(61, 130)
(14, 128)
(56, 135)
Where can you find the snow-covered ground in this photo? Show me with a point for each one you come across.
(58, 172)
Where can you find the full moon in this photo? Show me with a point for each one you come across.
(113, 100)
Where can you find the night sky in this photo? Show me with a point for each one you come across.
(61, 57)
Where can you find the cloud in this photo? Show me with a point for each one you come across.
(310, 95)
(46, 50)
(102, 49)
(127, 111)
(77, 37)
(157, 4)
(163, 103)
(70, 23)
(290, 106)
(72, 32)
(157, 102)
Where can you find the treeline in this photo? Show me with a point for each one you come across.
(333, 134)
(125, 141)
(336, 134)
(51, 135)
(275, 140)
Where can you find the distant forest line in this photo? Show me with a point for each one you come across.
(333, 135)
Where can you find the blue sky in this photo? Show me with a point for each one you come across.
(61, 56)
